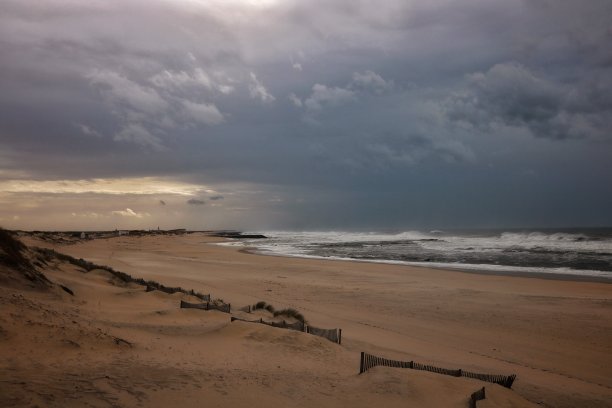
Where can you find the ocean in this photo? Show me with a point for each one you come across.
(582, 253)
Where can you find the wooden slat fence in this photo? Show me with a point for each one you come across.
(205, 298)
(223, 307)
(244, 320)
(156, 286)
(297, 326)
(368, 361)
(477, 396)
(505, 380)
(333, 335)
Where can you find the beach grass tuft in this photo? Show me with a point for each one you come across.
(263, 305)
(290, 312)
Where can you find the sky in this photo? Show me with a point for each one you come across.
(305, 115)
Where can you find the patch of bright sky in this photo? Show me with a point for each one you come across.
(229, 3)
(117, 186)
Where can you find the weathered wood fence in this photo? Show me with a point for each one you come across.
(368, 361)
(223, 307)
(477, 396)
(151, 286)
(297, 326)
(333, 335)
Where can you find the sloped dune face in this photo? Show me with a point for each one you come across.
(18, 264)
(70, 356)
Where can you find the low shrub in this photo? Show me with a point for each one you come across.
(290, 312)
(263, 305)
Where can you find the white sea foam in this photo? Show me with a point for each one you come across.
(527, 240)
(309, 244)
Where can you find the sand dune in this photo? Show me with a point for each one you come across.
(114, 344)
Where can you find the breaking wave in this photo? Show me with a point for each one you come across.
(584, 252)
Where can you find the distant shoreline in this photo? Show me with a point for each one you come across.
(227, 235)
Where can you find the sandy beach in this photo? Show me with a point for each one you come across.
(117, 345)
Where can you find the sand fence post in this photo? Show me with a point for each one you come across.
(477, 396)
(361, 363)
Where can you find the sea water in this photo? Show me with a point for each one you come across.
(585, 253)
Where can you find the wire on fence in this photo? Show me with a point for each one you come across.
(334, 335)
(223, 307)
(368, 361)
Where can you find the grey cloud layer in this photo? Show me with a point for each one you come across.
(328, 100)
(512, 95)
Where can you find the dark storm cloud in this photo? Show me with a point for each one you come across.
(512, 95)
(195, 201)
(92, 70)
(321, 100)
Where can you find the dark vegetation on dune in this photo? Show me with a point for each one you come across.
(13, 255)
(123, 277)
(289, 312)
(22, 261)
(11, 251)
(263, 305)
